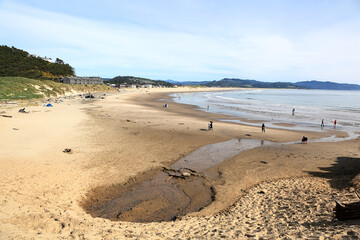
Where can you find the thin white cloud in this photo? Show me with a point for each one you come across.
(111, 48)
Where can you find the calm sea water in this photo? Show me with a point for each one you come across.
(275, 106)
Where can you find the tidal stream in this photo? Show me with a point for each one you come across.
(183, 188)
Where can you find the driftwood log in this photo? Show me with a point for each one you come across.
(182, 173)
(347, 211)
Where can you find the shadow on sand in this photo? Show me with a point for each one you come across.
(203, 129)
(341, 173)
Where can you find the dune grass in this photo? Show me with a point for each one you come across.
(13, 88)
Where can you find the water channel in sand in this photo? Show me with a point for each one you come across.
(164, 199)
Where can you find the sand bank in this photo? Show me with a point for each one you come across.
(128, 136)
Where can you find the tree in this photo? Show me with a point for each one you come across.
(59, 61)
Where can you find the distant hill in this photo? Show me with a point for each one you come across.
(246, 83)
(327, 85)
(188, 83)
(19, 63)
(130, 80)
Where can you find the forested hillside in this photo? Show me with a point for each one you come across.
(328, 85)
(19, 63)
(235, 82)
(130, 80)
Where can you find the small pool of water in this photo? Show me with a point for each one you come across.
(164, 198)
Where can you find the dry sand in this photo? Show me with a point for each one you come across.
(270, 192)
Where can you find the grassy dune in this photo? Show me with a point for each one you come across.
(12, 88)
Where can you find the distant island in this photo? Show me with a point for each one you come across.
(246, 83)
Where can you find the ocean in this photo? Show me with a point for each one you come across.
(274, 107)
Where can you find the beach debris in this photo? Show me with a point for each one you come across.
(22, 110)
(49, 105)
(182, 173)
(248, 135)
(7, 116)
(263, 162)
(67, 150)
(89, 96)
(347, 211)
(15, 129)
(261, 192)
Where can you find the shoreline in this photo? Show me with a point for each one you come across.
(125, 137)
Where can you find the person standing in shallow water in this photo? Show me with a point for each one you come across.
(322, 124)
(293, 111)
(335, 124)
(263, 128)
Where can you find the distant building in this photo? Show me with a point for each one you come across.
(82, 80)
(47, 59)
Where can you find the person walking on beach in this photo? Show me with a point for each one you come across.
(293, 111)
(335, 123)
(322, 124)
(263, 128)
(210, 128)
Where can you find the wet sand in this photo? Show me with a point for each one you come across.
(128, 137)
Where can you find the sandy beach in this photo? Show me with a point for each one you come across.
(279, 191)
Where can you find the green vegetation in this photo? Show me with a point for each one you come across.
(235, 82)
(18, 63)
(12, 88)
(130, 80)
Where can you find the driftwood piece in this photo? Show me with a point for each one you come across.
(337, 202)
(357, 194)
(67, 150)
(22, 110)
(182, 173)
(165, 169)
(347, 211)
(176, 175)
(7, 116)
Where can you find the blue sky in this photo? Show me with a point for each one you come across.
(192, 39)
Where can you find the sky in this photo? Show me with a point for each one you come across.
(192, 40)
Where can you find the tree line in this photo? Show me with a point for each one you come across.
(19, 63)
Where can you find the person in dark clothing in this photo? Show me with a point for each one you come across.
(210, 126)
(304, 139)
(263, 128)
